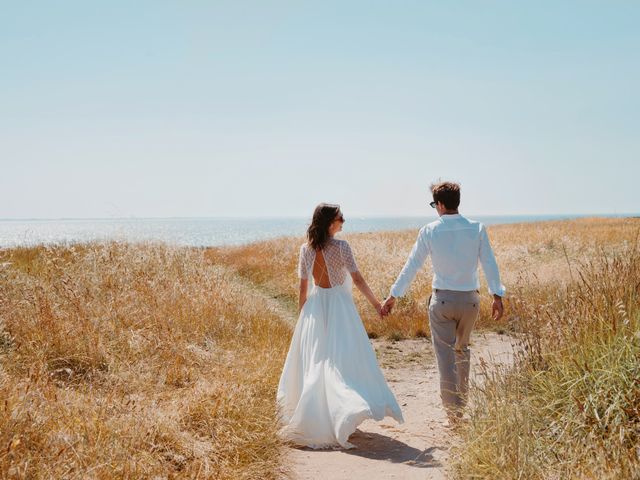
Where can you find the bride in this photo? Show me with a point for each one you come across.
(331, 381)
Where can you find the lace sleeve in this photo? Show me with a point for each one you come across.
(303, 267)
(348, 259)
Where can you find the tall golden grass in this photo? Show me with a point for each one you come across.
(571, 406)
(125, 361)
(150, 361)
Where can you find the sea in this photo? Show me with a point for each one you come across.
(202, 232)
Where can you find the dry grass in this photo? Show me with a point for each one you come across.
(147, 361)
(571, 406)
(123, 361)
(530, 255)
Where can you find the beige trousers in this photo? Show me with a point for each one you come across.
(452, 315)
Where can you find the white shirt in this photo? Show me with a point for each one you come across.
(456, 245)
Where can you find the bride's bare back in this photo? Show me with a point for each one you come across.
(320, 272)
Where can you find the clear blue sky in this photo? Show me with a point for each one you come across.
(210, 108)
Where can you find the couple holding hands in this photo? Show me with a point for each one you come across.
(331, 380)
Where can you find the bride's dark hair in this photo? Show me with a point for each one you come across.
(318, 231)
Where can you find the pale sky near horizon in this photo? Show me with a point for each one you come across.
(195, 108)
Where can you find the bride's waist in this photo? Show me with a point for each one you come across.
(319, 289)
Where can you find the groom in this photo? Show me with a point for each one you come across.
(456, 246)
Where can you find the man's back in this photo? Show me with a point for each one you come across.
(456, 245)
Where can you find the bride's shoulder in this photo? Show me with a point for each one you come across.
(306, 248)
(340, 243)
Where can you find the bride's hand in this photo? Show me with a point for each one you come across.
(378, 308)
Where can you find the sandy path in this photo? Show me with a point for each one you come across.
(417, 449)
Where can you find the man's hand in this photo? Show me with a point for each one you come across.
(388, 305)
(497, 309)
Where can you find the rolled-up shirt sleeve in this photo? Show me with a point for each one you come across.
(489, 265)
(416, 259)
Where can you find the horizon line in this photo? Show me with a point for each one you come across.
(296, 217)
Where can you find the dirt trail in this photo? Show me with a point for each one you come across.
(417, 449)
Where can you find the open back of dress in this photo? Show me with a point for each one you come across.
(339, 263)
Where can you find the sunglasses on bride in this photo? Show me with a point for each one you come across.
(339, 218)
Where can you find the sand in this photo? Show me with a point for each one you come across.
(417, 449)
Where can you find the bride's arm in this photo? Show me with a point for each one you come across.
(302, 296)
(359, 282)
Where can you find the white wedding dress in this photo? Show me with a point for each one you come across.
(331, 380)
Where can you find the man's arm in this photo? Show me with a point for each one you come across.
(416, 259)
(490, 269)
(489, 265)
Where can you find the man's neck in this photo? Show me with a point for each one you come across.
(450, 212)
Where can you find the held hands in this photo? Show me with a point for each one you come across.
(388, 305)
(497, 309)
(385, 308)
